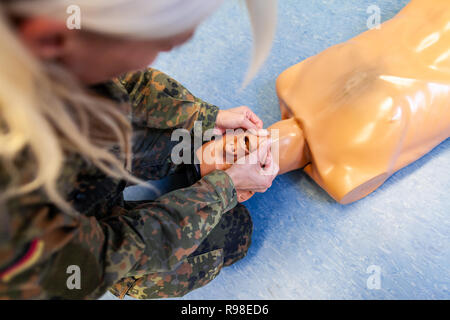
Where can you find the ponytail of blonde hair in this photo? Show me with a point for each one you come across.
(44, 111)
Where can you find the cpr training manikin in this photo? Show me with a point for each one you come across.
(359, 111)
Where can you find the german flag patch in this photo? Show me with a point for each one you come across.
(31, 255)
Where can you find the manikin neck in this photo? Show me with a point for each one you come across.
(289, 140)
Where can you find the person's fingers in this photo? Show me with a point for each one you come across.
(245, 123)
(218, 131)
(271, 168)
(240, 117)
(255, 119)
(263, 151)
(241, 109)
(269, 158)
(258, 190)
(250, 115)
(259, 132)
(264, 182)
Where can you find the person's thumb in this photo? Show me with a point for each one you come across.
(245, 123)
(264, 150)
(271, 168)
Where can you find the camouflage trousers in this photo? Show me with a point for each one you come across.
(226, 244)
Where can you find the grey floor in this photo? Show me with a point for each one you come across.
(305, 245)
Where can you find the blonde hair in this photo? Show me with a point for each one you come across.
(45, 112)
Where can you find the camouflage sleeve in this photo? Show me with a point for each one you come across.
(44, 254)
(161, 102)
(175, 234)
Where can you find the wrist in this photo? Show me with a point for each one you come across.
(234, 175)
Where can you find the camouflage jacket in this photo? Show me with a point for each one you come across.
(41, 247)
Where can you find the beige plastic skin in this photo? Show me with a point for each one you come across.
(289, 153)
(359, 111)
(222, 153)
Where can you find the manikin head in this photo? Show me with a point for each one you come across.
(287, 146)
(223, 152)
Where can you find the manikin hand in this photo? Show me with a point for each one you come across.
(240, 117)
(256, 171)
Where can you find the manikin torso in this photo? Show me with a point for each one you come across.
(361, 110)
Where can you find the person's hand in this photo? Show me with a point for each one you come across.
(256, 171)
(240, 117)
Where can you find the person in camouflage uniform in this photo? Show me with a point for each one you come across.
(166, 247)
(163, 248)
